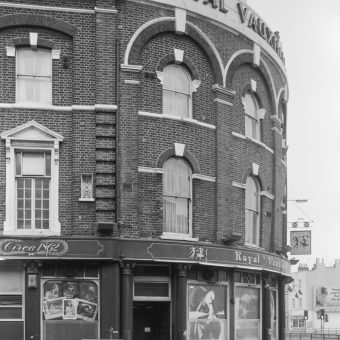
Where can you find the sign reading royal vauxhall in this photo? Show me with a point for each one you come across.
(12, 247)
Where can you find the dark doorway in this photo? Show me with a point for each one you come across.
(151, 320)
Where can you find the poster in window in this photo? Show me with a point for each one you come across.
(53, 289)
(53, 308)
(247, 302)
(71, 289)
(88, 291)
(86, 310)
(207, 312)
(69, 309)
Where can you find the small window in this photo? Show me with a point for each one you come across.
(251, 109)
(34, 76)
(33, 172)
(252, 213)
(177, 92)
(177, 196)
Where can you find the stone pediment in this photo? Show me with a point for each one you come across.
(31, 131)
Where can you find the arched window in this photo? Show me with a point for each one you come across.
(252, 122)
(34, 76)
(176, 91)
(252, 212)
(177, 196)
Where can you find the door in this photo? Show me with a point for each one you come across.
(151, 320)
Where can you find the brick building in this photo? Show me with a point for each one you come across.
(143, 171)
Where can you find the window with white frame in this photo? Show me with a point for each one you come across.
(176, 91)
(252, 212)
(177, 195)
(33, 176)
(32, 180)
(33, 76)
(252, 121)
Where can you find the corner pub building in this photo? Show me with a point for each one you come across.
(142, 171)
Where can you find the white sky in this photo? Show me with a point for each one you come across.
(310, 34)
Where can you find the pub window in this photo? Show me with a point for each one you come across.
(207, 311)
(70, 308)
(247, 306)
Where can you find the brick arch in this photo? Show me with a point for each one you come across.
(248, 172)
(13, 20)
(26, 42)
(170, 59)
(168, 25)
(247, 58)
(188, 156)
(247, 88)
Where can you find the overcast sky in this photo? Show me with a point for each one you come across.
(310, 34)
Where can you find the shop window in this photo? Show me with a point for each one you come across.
(247, 310)
(252, 212)
(70, 309)
(177, 202)
(207, 312)
(176, 91)
(32, 180)
(11, 301)
(33, 76)
(252, 121)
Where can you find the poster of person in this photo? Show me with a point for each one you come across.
(207, 312)
(86, 310)
(53, 289)
(53, 308)
(70, 309)
(71, 289)
(88, 291)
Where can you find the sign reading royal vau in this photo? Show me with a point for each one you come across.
(236, 15)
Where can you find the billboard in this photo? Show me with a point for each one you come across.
(327, 297)
(300, 242)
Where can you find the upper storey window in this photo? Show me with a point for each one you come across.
(34, 76)
(177, 91)
(33, 174)
(252, 212)
(252, 121)
(177, 197)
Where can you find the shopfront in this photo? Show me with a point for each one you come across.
(51, 289)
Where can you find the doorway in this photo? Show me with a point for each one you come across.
(151, 320)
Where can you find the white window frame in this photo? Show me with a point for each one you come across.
(31, 137)
(253, 118)
(33, 77)
(250, 227)
(178, 235)
(189, 94)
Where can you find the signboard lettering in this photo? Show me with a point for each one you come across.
(216, 4)
(33, 248)
(260, 27)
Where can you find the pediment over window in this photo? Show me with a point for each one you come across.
(32, 131)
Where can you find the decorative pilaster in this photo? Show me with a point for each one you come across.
(181, 303)
(126, 306)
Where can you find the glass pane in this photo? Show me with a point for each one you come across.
(247, 303)
(43, 90)
(182, 105)
(25, 61)
(20, 224)
(169, 214)
(10, 313)
(18, 163)
(168, 99)
(33, 163)
(11, 278)
(48, 164)
(43, 63)
(25, 89)
(250, 105)
(182, 215)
